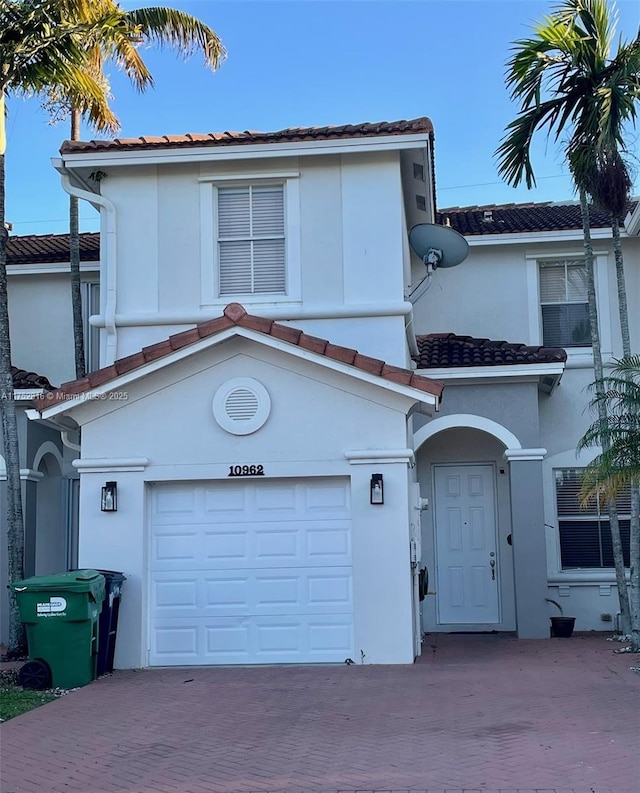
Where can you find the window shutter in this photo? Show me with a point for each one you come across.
(552, 284)
(235, 267)
(585, 535)
(577, 283)
(566, 325)
(268, 257)
(268, 211)
(251, 243)
(234, 212)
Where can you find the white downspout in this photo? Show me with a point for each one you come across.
(108, 269)
(411, 336)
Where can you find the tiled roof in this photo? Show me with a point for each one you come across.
(446, 350)
(31, 380)
(513, 218)
(38, 248)
(215, 139)
(235, 315)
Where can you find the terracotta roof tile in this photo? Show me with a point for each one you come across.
(235, 314)
(24, 379)
(251, 137)
(38, 248)
(446, 350)
(515, 218)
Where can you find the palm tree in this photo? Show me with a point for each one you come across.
(567, 80)
(617, 466)
(157, 26)
(38, 48)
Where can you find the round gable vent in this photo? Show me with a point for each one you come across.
(241, 406)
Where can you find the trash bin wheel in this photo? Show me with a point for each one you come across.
(35, 674)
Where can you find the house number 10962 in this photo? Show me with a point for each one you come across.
(246, 470)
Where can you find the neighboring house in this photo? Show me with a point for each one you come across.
(284, 458)
(524, 281)
(42, 342)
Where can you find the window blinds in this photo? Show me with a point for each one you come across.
(585, 534)
(563, 298)
(251, 241)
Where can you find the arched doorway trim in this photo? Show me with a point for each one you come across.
(466, 421)
(48, 447)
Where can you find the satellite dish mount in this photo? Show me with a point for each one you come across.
(437, 246)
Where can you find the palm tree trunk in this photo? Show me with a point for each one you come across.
(15, 524)
(74, 258)
(634, 529)
(622, 289)
(616, 541)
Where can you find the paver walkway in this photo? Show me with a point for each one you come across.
(477, 713)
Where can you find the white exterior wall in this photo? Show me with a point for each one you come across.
(41, 325)
(168, 420)
(348, 226)
(494, 293)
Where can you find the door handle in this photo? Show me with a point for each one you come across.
(493, 569)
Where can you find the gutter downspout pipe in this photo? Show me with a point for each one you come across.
(108, 263)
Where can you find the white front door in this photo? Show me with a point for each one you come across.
(466, 557)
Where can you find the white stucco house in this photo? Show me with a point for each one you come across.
(266, 448)
(42, 349)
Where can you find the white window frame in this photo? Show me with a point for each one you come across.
(577, 356)
(563, 264)
(91, 334)
(209, 264)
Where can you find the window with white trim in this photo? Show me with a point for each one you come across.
(585, 535)
(90, 307)
(563, 303)
(252, 257)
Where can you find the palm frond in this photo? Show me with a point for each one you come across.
(180, 31)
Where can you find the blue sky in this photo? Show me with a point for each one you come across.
(317, 62)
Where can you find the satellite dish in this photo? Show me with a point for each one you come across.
(438, 246)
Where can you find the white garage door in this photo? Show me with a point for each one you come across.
(251, 572)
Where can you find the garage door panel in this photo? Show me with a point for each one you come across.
(251, 572)
(257, 545)
(252, 593)
(262, 640)
(326, 498)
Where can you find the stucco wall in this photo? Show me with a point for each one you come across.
(493, 294)
(168, 419)
(351, 232)
(41, 325)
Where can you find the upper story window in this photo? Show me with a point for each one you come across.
(91, 306)
(563, 302)
(585, 535)
(251, 240)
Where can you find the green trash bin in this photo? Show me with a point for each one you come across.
(60, 613)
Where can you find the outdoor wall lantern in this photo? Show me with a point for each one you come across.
(109, 498)
(377, 489)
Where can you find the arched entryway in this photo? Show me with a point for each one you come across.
(50, 520)
(483, 532)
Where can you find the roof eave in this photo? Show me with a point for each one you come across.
(547, 375)
(166, 155)
(632, 222)
(428, 402)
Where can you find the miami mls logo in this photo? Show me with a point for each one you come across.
(56, 605)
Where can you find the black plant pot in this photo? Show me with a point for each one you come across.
(562, 627)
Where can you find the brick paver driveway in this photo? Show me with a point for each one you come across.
(482, 713)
